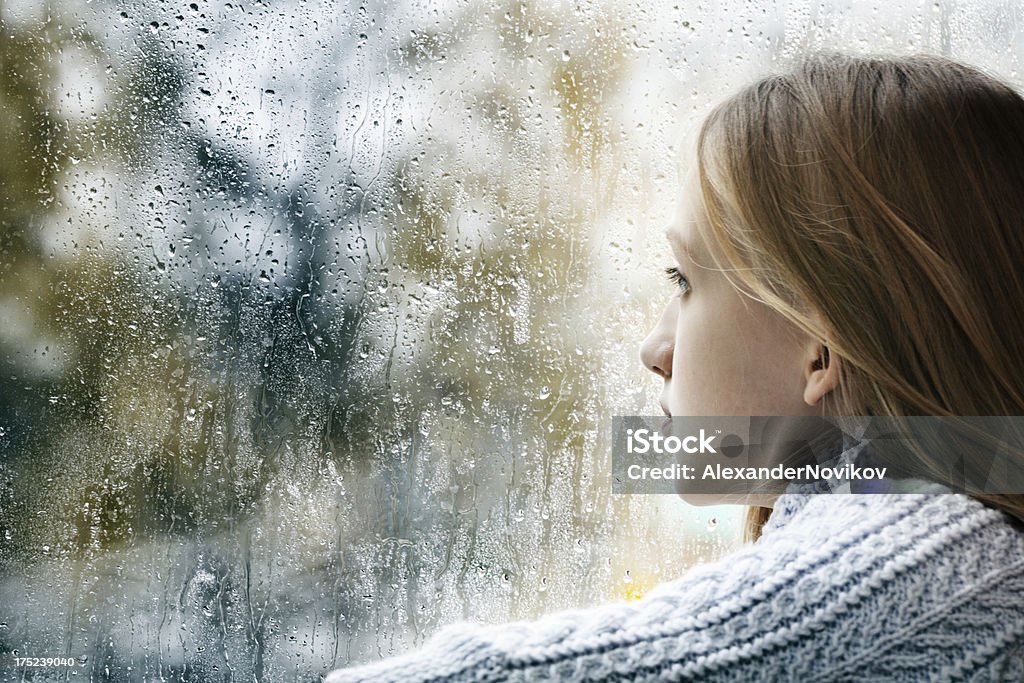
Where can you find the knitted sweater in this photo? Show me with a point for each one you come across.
(903, 587)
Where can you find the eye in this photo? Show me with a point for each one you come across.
(678, 279)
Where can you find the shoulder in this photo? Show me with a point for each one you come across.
(919, 586)
(925, 585)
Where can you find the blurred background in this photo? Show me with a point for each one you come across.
(314, 316)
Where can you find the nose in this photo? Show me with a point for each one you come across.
(656, 349)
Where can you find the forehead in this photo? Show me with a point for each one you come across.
(684, 233)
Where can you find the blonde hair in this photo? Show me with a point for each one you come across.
(878, 204)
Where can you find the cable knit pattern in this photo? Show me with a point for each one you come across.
(903, 587)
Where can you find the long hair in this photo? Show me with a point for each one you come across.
(878, 204)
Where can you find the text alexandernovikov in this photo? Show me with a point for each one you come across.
(642, 442)
(720, 472)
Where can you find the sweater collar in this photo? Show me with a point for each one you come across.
(799, 493)
(789, 504)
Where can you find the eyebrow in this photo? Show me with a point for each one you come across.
(693, 252)
(678, 242)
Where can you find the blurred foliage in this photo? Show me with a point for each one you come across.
(306, 346)
(313, 315)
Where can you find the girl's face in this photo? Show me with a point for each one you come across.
(721, 352)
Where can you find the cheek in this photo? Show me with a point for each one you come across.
(732, 359)
(713, 338)
(773, 363)
(708, 359)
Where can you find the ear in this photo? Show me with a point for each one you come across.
(821, 374)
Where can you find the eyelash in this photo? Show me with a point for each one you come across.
(678, 279)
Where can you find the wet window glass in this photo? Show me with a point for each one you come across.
(314, 317)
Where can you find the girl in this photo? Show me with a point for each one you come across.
(850, 246)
